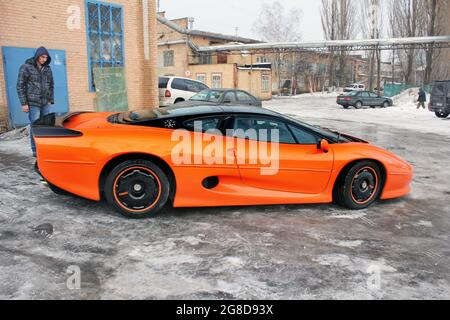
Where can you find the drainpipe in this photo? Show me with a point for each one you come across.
(145, 29)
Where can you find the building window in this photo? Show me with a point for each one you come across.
(201, 77)
(262, 60)
(205, 58)
(265, 83)
(168, 58)
(105, 37)
(216, 81)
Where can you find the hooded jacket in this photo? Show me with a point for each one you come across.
(422, 96)
(35, 86)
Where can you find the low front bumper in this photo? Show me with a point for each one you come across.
(397, 184)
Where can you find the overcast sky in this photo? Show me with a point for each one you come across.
(224, 16)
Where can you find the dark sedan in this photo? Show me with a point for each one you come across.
(221, 97)
(358, 99)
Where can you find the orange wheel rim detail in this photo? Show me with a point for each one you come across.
(364, 185)
(135, 185)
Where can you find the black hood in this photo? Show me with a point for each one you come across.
(39, 52)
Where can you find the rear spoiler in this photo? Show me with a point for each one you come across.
(52, 126)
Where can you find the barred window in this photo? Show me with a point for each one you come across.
(216, 80)
(201, 77)
(105, 37)
(265, 83)
(168, 58)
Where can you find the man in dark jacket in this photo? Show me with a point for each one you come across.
(35, 87)
(422, 99)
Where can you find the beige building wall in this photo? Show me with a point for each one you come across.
(30, 24)
(226, 71)
(251, 81)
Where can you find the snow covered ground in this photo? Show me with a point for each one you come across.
(403, 115)
(396, 249)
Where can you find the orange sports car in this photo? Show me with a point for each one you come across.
(208, 156)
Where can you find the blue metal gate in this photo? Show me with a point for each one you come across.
(13, 58)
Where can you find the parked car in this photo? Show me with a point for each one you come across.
(176, 89)
(134, 168)
(220, 97)
(440, 99)
(358, 99)
(355, 87)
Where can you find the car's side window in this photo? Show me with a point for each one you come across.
(229, 97)
(262, 129)
(302, 136)
(243, 97)
(364, 94)
(373, 95)
(192, 86)
(179, 84)
(202, 124)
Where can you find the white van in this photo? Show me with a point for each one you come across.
(355, 87)
(176, 89)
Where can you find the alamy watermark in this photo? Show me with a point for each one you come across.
(259, 148)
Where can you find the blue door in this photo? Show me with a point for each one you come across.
(13, 58)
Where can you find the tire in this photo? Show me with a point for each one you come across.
(360, 187)
(178, 100)
(385, 104)
(137, 189)
(358, 105)
(345, 107)
(442, 114)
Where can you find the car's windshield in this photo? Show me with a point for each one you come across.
(332, 135)
(207, 96)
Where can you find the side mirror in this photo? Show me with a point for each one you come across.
(324, 146)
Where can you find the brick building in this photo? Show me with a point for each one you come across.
(177, 57)
(83, 35)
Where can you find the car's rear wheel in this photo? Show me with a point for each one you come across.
(178, 100)
(442, 114)
(345, 107)
(137, 189)
(360, 186)
(358, 105)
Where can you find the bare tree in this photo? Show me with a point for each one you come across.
(371, 24)
(407, 20)
(432, 29)
(276, 24)
(338, 23)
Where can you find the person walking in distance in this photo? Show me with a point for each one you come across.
(35, 88)
(422, 99)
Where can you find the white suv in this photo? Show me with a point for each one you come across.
(176, 89)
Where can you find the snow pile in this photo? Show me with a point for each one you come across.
(407, 98)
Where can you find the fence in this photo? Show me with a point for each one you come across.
(391, 90)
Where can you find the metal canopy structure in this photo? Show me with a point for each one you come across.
(337, 45)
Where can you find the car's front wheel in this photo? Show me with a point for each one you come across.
(385, 104)
(360, 186)
(137, 189)
(442, 114)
